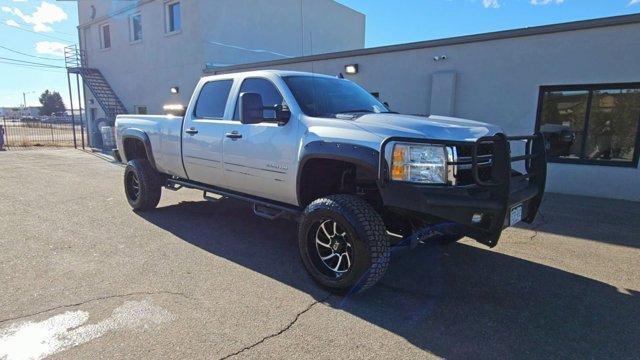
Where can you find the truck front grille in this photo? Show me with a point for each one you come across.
(463, 173)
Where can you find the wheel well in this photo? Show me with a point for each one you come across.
(322, 177)
(134, 149)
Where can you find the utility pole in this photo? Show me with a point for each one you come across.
(24, 101)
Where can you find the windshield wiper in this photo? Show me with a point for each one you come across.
(355, 111)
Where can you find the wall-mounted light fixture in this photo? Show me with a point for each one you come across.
(175, 90)
(351, 69)
(440, 58)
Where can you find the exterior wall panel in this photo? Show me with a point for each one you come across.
(498, 81)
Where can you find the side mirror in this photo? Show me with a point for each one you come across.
(251, 108)
(283, 114)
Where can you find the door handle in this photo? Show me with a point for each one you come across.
(234, 135)
(191, 131)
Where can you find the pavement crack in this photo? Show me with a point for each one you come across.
(66, 306)
(280, 332)
(543, 221)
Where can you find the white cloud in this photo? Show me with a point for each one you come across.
(19, 0)
(41, 19)
(491, 4)
(12, 22)
(50, 48)
(546, 2)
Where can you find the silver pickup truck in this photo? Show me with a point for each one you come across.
(357, 177)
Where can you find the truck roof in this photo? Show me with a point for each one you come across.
(280, 73)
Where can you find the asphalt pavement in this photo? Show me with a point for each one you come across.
(83, 276)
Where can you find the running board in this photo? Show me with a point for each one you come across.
(212, 197)
(275, 208)
(266, 212)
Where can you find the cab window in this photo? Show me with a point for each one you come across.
(213, 99)
(270, 95)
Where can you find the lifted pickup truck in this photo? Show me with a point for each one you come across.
(325, 152)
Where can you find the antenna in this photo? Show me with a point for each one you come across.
(311, 45)
(302, 27)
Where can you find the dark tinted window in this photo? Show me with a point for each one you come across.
(597, 124)
(106, 37)
(213, 99)
(270, 95)
(327, 97)
(175, 22)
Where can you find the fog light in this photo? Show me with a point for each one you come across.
(477, 218)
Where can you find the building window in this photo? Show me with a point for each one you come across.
(105, 36)
(135, 28)
(594, 124)
(140, 109)
(212, 100)
(173, 17)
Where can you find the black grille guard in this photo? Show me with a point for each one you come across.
(494, 194)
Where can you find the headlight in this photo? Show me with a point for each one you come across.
(419, 163)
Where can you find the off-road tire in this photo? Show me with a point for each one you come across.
(149, 185)
(368, 236)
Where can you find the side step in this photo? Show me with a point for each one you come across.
(212, 197)
(267, 212)
(262, 207)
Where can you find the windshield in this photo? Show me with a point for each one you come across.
(328, 97)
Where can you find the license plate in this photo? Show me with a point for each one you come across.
(515, 215)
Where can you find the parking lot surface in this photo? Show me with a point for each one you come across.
(83, 276)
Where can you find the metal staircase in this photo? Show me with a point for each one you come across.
(75, 61)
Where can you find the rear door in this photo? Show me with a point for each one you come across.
(260, 159)
(203, 131)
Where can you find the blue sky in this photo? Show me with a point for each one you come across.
(36, 30)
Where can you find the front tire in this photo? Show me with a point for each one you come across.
(343, 243)
(142, 185)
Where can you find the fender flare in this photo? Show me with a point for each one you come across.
(362, 156)
(139, 135)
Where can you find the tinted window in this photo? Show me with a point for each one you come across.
(563, 114)
(175, 22)
(136, 27)
(595, 124)
(106, 37)
(213, 99)
(270, 95)
(327, 97)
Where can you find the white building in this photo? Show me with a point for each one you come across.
(152, 52)
(16, 112)
(580, 80)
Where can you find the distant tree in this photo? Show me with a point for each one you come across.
(51, 103)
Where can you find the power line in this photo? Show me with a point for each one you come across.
(33, 56)
(31, 62)
(34, 67)
(37, 33)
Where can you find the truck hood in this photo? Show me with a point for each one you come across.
(432, 127)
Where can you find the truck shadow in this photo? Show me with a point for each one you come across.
(456, 301)
(566, 215)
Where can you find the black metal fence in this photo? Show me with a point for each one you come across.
(29, 133)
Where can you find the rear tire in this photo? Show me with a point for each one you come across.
(343, 243)
(142, 185)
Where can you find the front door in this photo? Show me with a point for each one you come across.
(203, 132)
(259, 159)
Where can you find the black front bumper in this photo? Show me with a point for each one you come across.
(482, 207)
